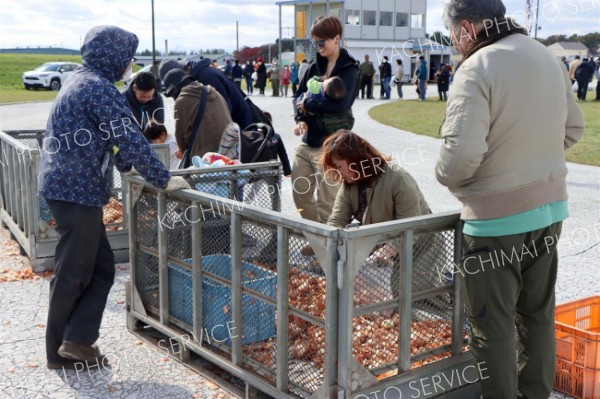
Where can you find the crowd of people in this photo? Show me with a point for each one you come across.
(508, 171)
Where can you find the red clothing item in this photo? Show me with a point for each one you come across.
(285, 76)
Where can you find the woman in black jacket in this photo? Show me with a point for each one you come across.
(261, 74)
(319, 117)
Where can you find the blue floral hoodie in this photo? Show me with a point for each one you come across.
(90, 122)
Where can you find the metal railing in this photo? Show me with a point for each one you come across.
(27, 215)
(328, 323)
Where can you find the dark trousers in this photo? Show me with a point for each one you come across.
(399, 88)
(598, 90)
(582, 87)
(509, 281)
(294, 88)
(443, 94)
(84, 273)
(366, 81)
(249, 85)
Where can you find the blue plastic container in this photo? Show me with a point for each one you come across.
(258, 317)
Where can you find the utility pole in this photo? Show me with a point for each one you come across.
(537, 14)
(153, 38)
(237, 39)
(279, 56)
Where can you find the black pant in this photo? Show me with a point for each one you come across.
(366, 81)
(598, 90)
(582, 87)
(84, 274)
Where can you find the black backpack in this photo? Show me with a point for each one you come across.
(257, 113)
(257, 144)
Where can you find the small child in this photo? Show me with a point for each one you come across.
(156, 133)
(332, 88)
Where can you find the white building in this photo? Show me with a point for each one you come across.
(395, 28)
(569, 49)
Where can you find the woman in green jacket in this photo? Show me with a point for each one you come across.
(374, 191)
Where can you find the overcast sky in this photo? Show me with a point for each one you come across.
(203, 24)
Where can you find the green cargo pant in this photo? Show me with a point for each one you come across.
(508, 281)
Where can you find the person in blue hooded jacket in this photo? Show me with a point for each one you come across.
(203, 73)
(422, 76)
(90, 129)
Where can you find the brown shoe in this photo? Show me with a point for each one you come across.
(81, 353)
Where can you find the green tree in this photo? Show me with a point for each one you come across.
(440, 38)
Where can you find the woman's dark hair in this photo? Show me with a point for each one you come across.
(326, 27)
(154, 130)
(362, 158)
(145, 81)
(399, 61)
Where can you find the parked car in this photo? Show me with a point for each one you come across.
(51, 75)
(133, 75)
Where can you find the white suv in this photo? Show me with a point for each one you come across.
(50, 75)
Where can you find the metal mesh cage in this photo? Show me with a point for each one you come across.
(113, 212)
(147, 282)
(307, 294)
(148, 221)
(376, 334)
(370, 308)
(178, 229)
(306, 354)
(431, 331)
(259, 187)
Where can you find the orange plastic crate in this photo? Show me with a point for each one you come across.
(577, 330)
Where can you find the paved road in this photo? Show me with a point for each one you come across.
(21, 351)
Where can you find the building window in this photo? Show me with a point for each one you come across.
(385, 18)
(401, 20)
(337, 11)
(352, 17)
(369, 17)
(416, 21)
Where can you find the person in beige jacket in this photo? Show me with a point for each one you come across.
(510, 117)
(573, 67)
(187, 94)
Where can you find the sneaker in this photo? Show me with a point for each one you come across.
(82, 353)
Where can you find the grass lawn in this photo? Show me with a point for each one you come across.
(12, 67)
(426, 119)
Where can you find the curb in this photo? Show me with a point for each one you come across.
(26, 102)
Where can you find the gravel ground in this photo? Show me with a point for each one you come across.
(142, 372)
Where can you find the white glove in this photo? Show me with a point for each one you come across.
(177, 183)
(131, 172)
